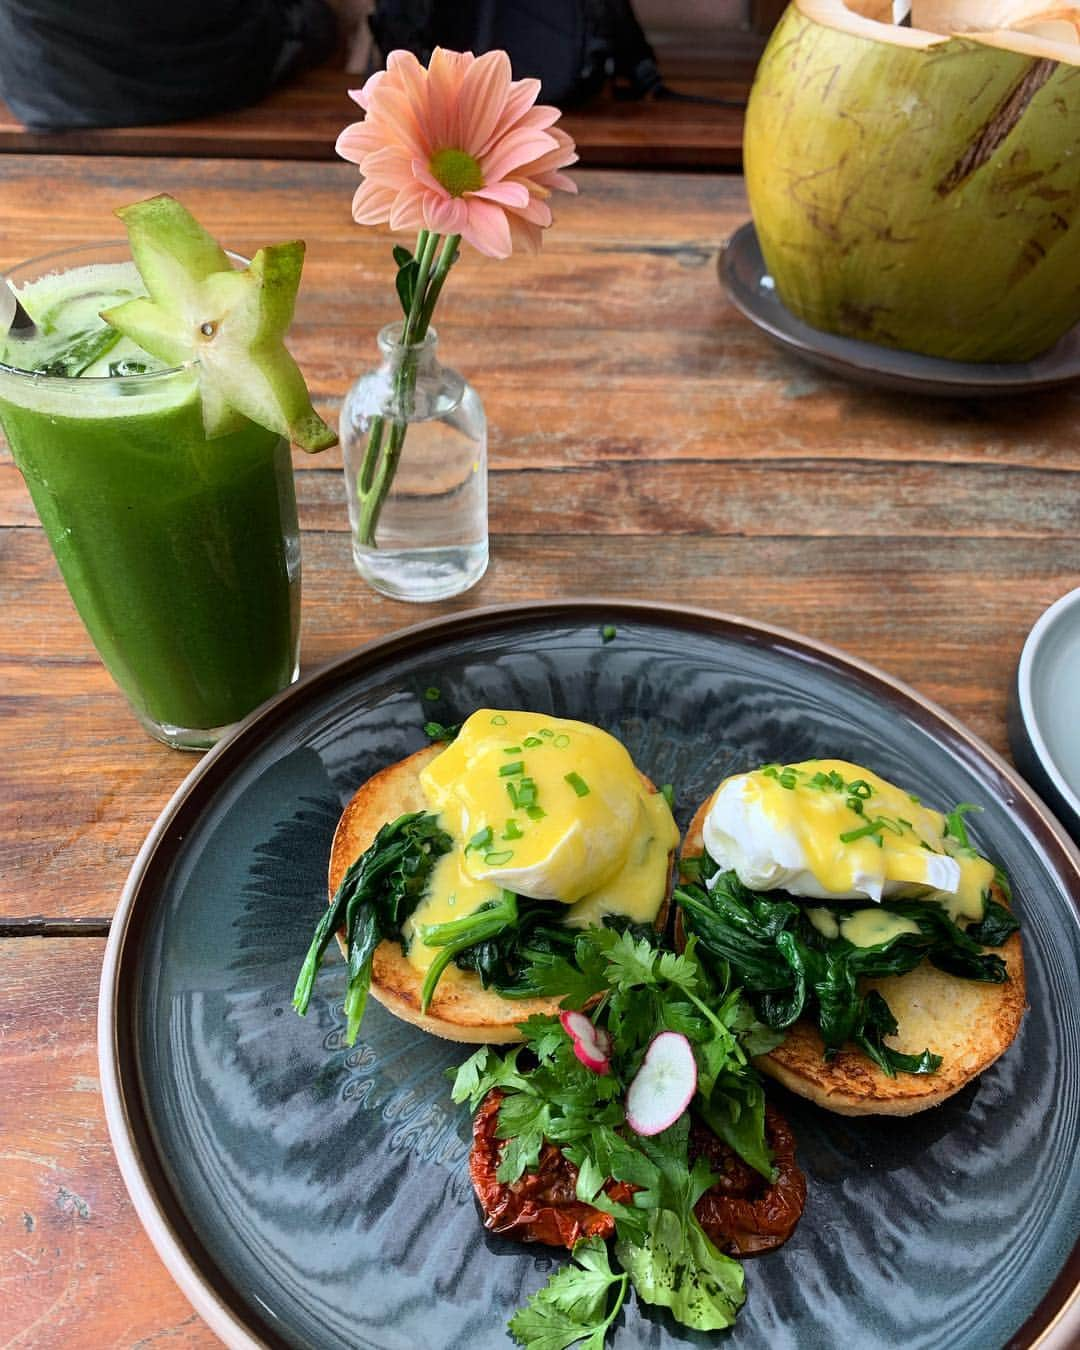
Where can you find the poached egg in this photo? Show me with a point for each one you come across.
(827, 829)
(546, 807)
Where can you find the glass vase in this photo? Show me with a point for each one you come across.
(414, 442)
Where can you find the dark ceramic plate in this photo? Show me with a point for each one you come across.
(307, 1195)
(753, 292)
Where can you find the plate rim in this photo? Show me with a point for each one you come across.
(933, 372)
(1055, 1322)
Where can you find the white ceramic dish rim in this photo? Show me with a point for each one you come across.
(1046, 621)
(1062, 1333)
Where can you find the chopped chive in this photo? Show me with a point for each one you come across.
(913, 798)
(531, 742)
(512, 791)
(577, 783)
(527, 792)
(855, 804)
(499, 857)
(511, 770)
(860, 788)
(432, 693)
(512, 831)
(498, 720)
(547, 733)
(786, 777)
(668, 794)
(436, 731)
(871, 827)
(535, 813)
(607, 633)
(561, 742)
(480, 839)
(511, 749)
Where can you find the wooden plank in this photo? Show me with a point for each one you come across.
(303, 119)
(76, 1268)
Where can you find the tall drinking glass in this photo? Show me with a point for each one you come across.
(182, 555)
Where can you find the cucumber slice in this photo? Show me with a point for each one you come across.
(232, 322)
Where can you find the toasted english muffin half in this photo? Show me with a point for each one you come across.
(967, 1022)
(461, 1008)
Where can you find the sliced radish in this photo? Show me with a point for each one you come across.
(663, 1086)
(592, 1045)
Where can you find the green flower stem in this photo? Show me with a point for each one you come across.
(376, 474)
(442, 270)
(366, 476)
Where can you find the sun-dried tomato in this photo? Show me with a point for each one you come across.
(541, 1205)
(743, 1213)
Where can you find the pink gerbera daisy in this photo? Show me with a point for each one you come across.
(459, 148)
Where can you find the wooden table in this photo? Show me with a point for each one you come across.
(646, 441)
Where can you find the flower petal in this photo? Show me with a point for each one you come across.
(536, 211)
(515, 149)
(525, 235)
(389, 165)
(483, 98)
(355, 142)
(505, 193)
(444, 214)
(446, 71)
(407, 212)
(487, 229)
(371, 204)
(557, 180)
(523, 94)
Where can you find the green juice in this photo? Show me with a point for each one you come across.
(181, 554)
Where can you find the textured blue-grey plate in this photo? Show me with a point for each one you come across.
(308, 1195)
(753, 292)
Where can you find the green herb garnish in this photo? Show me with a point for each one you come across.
(436, 731)
(573, 1304)
(577, 783)
(378, 892)
(635, 990)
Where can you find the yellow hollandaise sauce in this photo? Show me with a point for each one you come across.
(550, 809)
(861, 927)
(828, 829)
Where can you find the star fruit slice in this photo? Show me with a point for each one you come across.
(232, 321)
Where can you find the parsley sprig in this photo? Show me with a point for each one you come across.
(635, 991)
(573, 1305)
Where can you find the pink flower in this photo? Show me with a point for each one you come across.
(458, 148)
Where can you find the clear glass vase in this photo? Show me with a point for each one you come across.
(414, 441)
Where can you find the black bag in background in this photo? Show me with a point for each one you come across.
(572, 46)
(111, 63)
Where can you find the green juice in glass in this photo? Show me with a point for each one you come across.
(182, 555)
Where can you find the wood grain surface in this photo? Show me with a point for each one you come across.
(646, 442)
(76, 1269)
(302, 121)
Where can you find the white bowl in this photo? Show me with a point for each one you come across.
(1044, 723)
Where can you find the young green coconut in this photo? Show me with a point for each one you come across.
(917, 186)
(232, 321)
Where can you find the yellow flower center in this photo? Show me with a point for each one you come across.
(457, 171)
